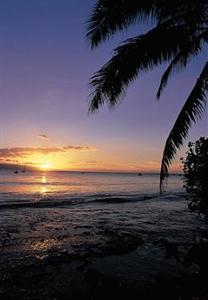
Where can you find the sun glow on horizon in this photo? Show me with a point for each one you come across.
(45, 166)
(44, 160)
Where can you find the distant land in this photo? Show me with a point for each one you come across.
(14, 167)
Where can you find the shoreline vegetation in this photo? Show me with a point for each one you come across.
(68, 253)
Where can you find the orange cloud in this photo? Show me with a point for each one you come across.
(21, 152)
(85, 163)
(24, 151)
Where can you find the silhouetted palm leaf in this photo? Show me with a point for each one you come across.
(180, 31)
(190, 113)
(178, 63)
(109, 16)
(135, 56)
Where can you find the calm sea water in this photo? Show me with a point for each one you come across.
(46, 214)
(54, 186)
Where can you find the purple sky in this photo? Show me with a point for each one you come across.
(45, 66)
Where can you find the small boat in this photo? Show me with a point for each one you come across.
(139, 174)
(16, 172)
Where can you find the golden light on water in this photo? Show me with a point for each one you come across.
(43, 190)
(44, 178)
(45, 244)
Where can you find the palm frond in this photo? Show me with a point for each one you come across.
(190, 113)
(192, 11)
(179, 63)
(109, 16)
(136, 55)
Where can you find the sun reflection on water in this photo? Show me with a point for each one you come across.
(43, 178)
(44, 244)
(44, 190)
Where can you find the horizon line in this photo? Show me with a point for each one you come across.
(13, 167)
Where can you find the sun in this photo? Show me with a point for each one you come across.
(46, 166)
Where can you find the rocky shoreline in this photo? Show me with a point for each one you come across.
(94, 252)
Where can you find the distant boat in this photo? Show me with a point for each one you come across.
(16, 172)
(139, 174)
(23, 171)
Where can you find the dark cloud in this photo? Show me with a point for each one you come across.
(9, 160)
(78, 148)
(42, 136)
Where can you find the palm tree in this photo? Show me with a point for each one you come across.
(179, 31)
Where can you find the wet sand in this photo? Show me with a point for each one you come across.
(100, 249)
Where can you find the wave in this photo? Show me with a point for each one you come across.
(47, 202)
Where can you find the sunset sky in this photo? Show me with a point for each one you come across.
(45, 66)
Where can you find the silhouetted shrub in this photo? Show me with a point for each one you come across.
(195, 167)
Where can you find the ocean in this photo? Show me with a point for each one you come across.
(68, 223)
(80, 186)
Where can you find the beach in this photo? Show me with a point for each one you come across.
(124, 240)
(103, 191)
